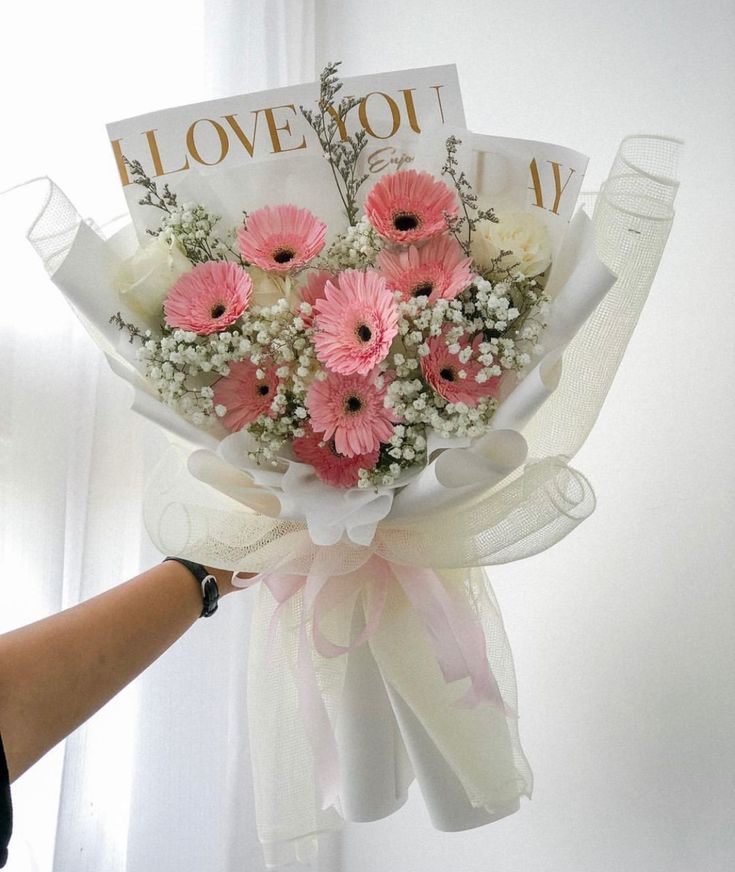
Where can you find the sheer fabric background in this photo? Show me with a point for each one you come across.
(160, 779)
(622, 634)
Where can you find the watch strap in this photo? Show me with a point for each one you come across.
(207, 582)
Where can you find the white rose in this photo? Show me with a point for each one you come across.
(267, 287)
(144, 280)
(522, 233)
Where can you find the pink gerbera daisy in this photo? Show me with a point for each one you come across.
(408, 206)
(441, 370)
(281, 239)
(245, 396)
(439, 270)
(350, 409)
(313, 290)
(330, 466)
(208, 298)
(356, 321)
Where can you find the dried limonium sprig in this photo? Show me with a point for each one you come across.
(341, 149)
(132, 331)
(165, 201)
(498, 269)
(467, 197)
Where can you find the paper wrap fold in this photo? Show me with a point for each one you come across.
(388, 710)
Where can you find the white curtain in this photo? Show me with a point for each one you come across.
(159, 779)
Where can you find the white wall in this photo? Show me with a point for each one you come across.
(623, 634)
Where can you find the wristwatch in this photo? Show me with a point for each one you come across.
(210, 591)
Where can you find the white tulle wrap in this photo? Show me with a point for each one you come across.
(378, 652)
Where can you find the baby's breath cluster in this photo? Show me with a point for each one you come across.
(511, 316)
(356, 248)
(182, 366)
(192, 226)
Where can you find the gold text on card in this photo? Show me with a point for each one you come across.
(211, 141)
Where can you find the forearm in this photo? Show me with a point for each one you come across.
(56, 673)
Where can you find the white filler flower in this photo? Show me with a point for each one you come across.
(523, 234)
(144, 280)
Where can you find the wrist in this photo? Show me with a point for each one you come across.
(223, 578)
(186, 586)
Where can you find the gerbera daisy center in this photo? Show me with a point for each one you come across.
(353, 404)
(263, 390)
(218, 311)
(364, 333)
(447, 374)
(423, 290)
(283, 255)
(405, 221)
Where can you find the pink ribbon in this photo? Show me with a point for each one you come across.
(454, 631)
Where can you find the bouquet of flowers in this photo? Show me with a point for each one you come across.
(365, 416)
(400, 336)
